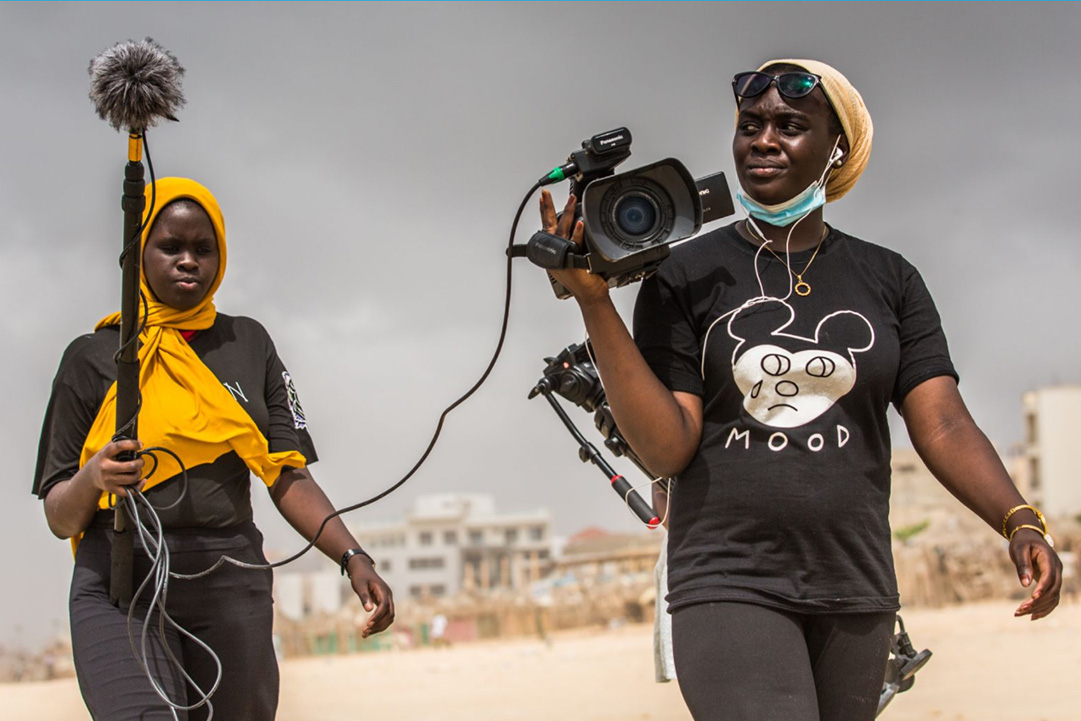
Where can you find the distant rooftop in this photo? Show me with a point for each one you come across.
(461, 508)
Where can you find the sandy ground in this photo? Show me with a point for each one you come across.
(986, 666)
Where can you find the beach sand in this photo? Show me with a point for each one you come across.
(987, 666)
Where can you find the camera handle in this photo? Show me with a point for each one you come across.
(550, 252)
(587, 452)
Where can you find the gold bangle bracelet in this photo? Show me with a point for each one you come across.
(1041, 531)
(1014, 510)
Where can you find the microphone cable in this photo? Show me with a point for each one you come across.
(431, 444)
(153, 538)
(152, 535)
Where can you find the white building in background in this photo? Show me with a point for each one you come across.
(449, 543)
(1050, 460)
(300, 594)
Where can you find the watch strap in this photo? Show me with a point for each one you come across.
(354, 552)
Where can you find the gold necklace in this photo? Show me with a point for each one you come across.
(802, 287)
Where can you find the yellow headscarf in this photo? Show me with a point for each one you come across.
(855, 120)
(185, 408)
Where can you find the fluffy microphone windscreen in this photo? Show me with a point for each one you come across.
(133, 85)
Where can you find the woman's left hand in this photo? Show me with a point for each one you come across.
(1035, 560)
(964, 461)
(302, 502)
(374, 594)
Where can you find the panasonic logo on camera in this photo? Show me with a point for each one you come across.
(609, 141)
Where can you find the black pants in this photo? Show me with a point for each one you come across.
(741, 662)
(230, 610)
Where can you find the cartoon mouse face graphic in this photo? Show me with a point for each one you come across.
(787, 380)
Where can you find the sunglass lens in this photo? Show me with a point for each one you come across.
(796, 85)
(748, 85)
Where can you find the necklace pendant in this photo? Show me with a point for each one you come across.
(802, 289)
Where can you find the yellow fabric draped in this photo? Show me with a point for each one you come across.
(855, 119)
(185, 408)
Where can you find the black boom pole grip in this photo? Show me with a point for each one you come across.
(133, 203)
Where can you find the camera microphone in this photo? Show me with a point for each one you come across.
(133, 85)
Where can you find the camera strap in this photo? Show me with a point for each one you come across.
(551, 252)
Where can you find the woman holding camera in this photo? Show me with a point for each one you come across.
(764, 357)
(214, 392)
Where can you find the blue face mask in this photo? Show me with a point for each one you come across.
(793, 209)
(788, 212)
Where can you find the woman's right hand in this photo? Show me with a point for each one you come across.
(70, 505)
(586, 287)
(108, 473)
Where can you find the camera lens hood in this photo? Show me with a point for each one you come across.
(642, 208)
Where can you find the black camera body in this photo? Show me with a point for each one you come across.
(630, 218)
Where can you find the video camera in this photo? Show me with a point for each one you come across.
(630, 218)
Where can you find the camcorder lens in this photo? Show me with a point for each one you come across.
(636, 215)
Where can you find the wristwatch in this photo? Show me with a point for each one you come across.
(354, 552)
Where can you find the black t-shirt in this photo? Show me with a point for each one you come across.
(240, 353)
(786, 502)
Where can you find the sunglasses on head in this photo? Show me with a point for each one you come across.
(790, 85)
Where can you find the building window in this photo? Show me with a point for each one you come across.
(511, 534)
(418, 564)
(419, 590)
(536, 533)
(425, 538)
(450, 538)
(1032, 429)
(476, 538)
(384, 565)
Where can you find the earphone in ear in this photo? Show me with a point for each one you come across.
(837, 157)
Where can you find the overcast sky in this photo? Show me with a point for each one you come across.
(369, 160)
